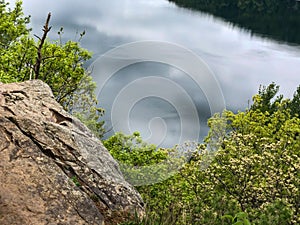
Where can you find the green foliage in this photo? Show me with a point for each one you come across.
(75, 181)
(294, 105)
(60, 65)
(252, 173)
(278, 212)
(132, 150)
(268, 100)
(248, 165)
(263, 100)
(240, 218)
(140, 162)
(12, 23)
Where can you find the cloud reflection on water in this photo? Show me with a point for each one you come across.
(240, 61)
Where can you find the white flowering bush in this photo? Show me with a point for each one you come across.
(252, 169)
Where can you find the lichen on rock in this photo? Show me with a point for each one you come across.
(53, 170)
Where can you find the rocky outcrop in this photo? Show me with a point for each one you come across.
(53, 170)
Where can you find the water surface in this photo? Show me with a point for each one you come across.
(240, 59)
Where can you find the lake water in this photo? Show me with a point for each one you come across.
(239, 61)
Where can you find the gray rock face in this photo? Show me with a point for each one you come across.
(53, 170)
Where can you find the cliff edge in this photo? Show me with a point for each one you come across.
(53, 170)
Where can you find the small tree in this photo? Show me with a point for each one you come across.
(60, 65)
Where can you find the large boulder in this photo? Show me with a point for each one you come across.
(53, 170)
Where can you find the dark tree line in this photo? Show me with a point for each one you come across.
(242, 6)
(278, 19)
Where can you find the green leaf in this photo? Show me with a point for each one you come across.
(227, 217)
(238, 223)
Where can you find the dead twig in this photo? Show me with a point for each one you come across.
(39, 58)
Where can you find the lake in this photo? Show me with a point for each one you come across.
(166, 102)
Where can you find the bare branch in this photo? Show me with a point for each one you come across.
(37, 37)
(39, 57)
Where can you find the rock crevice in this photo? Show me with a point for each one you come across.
(53, 170)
